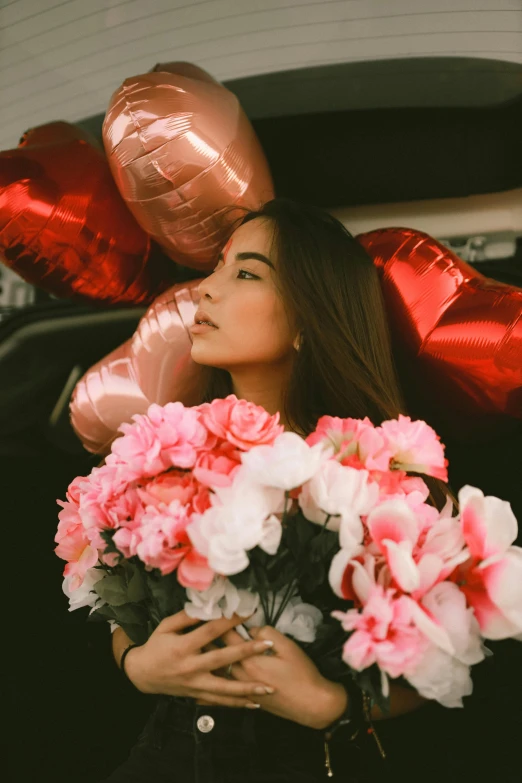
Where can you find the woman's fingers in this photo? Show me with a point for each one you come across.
(232, 637)
(221, 658)
(211, 699)
(212, 630)
(177, 622)
(221, 687)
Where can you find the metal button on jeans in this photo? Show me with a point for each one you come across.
(205, 723)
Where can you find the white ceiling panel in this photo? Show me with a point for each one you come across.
(64, 60)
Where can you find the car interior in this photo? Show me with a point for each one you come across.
(379, 144)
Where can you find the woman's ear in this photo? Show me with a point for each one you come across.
(298, 342)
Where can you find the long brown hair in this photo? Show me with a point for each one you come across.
(332, 293)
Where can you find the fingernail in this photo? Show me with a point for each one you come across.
(252, 705)
(262, 646)
(262, 689)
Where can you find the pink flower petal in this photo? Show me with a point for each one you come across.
(194, 571)
(430, 568)
(359, 651)
(488, 523)
(363, 578)
(415, 446)
(430, 627)
(494, 591)
(402, 565)
(393, 520)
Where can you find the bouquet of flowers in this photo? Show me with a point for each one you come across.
(217, 510)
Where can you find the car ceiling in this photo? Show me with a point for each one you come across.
(63, 60)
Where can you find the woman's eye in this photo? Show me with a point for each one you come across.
(245, 272)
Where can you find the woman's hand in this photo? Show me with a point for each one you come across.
(172, 663)
(301, 694)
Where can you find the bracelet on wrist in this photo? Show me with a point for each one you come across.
(122, 660)
(353, 716)
(351, 720)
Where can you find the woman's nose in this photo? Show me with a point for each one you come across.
(209, 286)
(203, 289)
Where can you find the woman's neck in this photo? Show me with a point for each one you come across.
(262, 389)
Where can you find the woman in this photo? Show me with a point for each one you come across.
(292, 318)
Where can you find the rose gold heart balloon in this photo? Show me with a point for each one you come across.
(457, 332)
(182, 68)
(182, 153)
(65, 228)
(153, 366)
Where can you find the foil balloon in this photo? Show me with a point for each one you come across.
(456, 332)
(182, 68)
(154, 365)
(65, 228)
(185, 159)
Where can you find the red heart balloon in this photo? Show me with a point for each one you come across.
(182, 153)
(64, 226)
(457, 333)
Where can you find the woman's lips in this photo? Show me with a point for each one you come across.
(201, 328)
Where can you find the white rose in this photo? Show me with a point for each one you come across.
(448, 605)
(84, 595)
(298, 619)
(242, 517)
(286, 464)
(342, 492)
(221, 599)
(442, 677)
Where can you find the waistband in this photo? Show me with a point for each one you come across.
(174, 714)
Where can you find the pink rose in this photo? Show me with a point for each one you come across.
(76, 488)
(240, 422)
(176, 485)
(154, 552)
(195, 572)
(100, 493)
(74, 545)
(125, 508)
(164, 543)
(217, 468)
(167, 436)
(139, 449)
(126, 539)
(181, 432)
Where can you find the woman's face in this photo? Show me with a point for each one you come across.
(241, 298)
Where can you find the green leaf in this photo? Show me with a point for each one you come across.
(165, 593)
(245, 580)
(112, 589)
(298, 533)
(107, 536)
(313, 577)
(324, 546)
(102, 614)
(138, 634)
(136, 589)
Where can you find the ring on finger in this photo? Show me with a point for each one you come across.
(229, 670)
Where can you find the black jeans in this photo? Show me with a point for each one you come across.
(186, 743)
